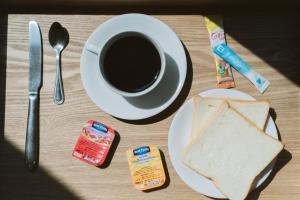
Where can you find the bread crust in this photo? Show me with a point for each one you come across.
(236, 100)
(196, 99)
(245, 102)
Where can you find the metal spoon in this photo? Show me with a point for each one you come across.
(59, 39)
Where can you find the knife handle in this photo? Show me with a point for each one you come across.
(32, 135)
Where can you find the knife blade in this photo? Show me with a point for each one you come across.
(35, 82)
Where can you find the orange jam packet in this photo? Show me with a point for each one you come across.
(146, 167)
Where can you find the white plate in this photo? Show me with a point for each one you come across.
(162, 96)
(179, 138)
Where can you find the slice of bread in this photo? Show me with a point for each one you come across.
(255, 111)
(202, 110)
(231, 151)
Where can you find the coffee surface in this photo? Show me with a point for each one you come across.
(131, 64)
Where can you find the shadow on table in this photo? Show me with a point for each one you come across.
(3, 53)
(16, 182)
(282, 159)
(167, 181)
(112, 151)
(273, 37)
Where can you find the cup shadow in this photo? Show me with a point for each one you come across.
(166, 89)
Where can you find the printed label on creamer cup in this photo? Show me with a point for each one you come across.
(146, 167)
(214, 24)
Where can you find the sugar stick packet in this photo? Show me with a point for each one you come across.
(214, 24)
(241, 66)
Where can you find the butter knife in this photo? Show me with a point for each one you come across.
(35, 82)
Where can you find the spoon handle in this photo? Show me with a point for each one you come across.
(59, 97)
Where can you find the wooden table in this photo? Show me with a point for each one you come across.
(267, 41)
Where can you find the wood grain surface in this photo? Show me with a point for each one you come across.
(267, 42)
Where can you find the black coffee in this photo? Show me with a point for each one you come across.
(131, 64)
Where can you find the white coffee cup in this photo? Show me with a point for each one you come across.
(101, 52)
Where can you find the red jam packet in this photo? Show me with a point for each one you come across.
(94, 143)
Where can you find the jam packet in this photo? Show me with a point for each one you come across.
(146, 168)
(94, 143)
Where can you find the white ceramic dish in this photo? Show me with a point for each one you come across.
(138, 107)
(179, 138)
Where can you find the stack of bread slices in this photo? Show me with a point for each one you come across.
(228, 144)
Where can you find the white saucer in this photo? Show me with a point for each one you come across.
(179, 138)
(139, 107)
